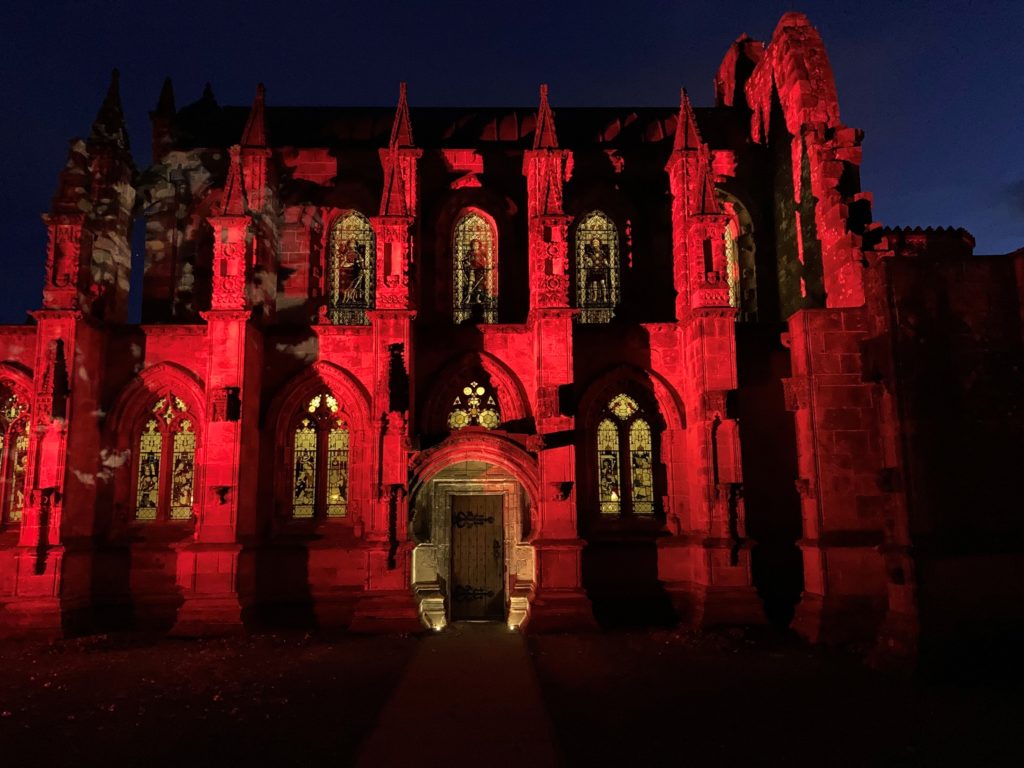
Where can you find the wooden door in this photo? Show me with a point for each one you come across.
(478, 558)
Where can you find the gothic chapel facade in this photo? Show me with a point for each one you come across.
(402, 367)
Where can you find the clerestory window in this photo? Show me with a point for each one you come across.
(350, 269)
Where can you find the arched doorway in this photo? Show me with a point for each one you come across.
(472, 513)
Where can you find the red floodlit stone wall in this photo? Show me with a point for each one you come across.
(901, 378)
(839, 455)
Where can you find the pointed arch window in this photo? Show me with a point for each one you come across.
(319, 465)
(476, 405)
(165, 462)
(597, 268)
(350, 269)
(474, 271)
(625, 459)
(732, 266)
(14, 424)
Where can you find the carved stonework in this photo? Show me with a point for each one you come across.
(797, 393)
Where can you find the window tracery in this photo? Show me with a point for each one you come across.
(320, 450)
(475, 405)
(475, 275)
(14, 426)
(625, 459)
(350, 269)
(597, 268)
(165, 468)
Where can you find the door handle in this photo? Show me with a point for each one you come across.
(496, 551)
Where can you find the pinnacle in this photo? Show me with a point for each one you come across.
(109, 122)
(401, 129)
(255, 132)
(687, 134)
(165, 104)
(544, 136)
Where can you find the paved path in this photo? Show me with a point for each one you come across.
(469, 697)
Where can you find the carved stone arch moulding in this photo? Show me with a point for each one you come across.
(130, 412)
(608, 384)
(485, 446)
(147, 387)
(514, 405)
(19, 380)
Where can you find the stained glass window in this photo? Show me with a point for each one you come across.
(304, 470)
(18, 458)
(625, 459)
(350, 269)
(337, 471)
(732, 267)
(475, 276)
(623, 406)
(147, 496)
(13, 453)
(597, 268)
(608, 468)
(641, 467)
(475, 405)
(165, 472)
(320, 460)
(182, 470)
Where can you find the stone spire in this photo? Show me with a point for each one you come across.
(687, 135)
(255, 132)
(544, 136)
(162, 120)
(399, 164)
(401, 130)
(109, 123)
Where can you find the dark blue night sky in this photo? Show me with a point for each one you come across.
(937, 87)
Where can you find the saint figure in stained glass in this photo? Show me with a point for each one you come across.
(597, 268)
(350, 270)
(475, 277)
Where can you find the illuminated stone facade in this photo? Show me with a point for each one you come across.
(397, 367)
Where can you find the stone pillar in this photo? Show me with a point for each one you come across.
(388, 603)
(559, 600)
(839, 457)
(208, 565)
(705, 561)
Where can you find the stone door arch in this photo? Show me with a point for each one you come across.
(440, 483)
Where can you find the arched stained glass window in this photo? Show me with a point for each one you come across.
(597, 268)
(13, 454)
(165, 462)
(319, 466)
(625, 459)
(477, 405)
(474, 272)
(732, 267)
(350, 269)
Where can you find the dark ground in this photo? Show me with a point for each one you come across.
(631, 698)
